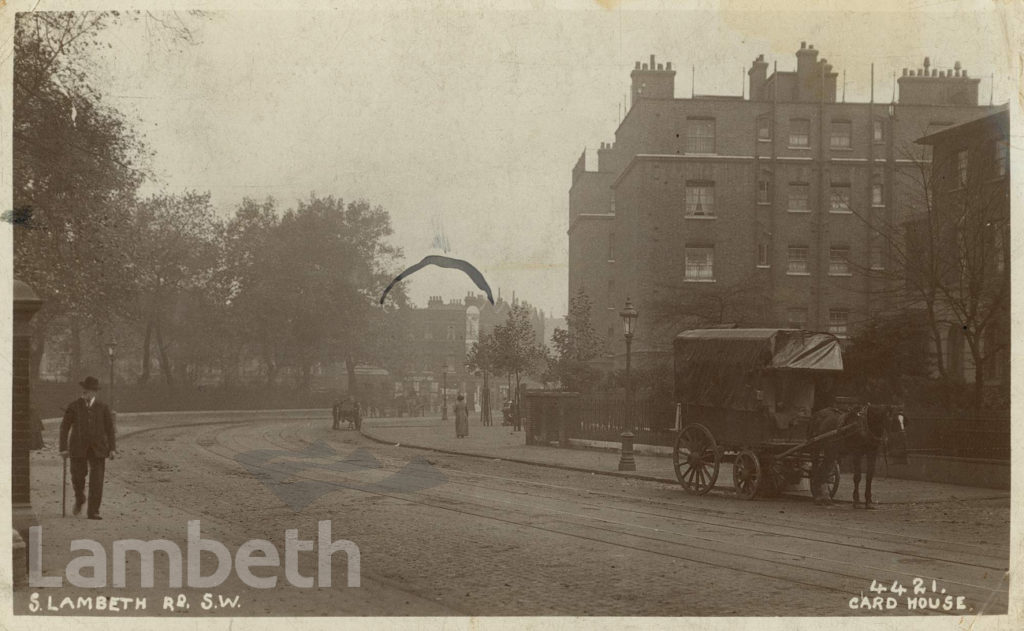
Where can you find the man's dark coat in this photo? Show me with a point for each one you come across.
(89, 426)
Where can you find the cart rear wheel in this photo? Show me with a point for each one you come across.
(746, 474)
(833, 480)
(696, 459)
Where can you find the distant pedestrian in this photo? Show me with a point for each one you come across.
(87, 437)
(336, 415)
(517, 418)
(461, 417)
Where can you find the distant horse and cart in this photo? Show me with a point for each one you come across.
(762, 398)
(347, 411)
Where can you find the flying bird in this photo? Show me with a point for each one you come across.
(444, 261)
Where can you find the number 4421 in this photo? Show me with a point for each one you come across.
(895, 588)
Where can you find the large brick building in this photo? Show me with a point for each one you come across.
(441, 335)
(761, 210)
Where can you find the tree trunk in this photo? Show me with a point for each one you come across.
(940, 358)
(268, 361)
(978, 395)
(165, 362)
(144, 377)
(485, 402)
(75, 352)
(516, 402)
(38, 348)
(350, 369)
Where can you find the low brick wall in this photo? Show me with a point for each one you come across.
(990, 474)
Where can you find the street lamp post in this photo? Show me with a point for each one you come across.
(444, 392)
(110, 355)
(629, 315)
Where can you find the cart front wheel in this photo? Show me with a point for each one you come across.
(746, 474)
(696, 459)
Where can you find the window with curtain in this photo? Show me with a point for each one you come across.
(700, 199)
(839, 137)
(799, 132)
(839, 260)
(699, 262)
(796, 262)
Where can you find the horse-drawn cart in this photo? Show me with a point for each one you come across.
(748, 395)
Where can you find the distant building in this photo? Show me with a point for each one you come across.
(436, 341)
(713, 209)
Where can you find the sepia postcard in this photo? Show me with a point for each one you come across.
(511, 314)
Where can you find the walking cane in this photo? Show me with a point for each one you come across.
(64, 489)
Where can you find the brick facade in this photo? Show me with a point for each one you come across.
(760, 206)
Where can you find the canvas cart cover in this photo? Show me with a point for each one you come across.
(717, 367)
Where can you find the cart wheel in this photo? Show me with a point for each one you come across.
(746, 474)
(696, 459)
(833, 480)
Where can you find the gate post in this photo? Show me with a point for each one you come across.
(26, 304)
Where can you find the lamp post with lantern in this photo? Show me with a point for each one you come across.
(111, 345)
(629, 316)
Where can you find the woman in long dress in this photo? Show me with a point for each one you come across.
(461, 417)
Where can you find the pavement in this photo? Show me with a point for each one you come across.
(500, 442)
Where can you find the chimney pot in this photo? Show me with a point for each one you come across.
(964, 73)
(956, 66)
(803, 45)
(661, 67)
(637, 66)
(668, 65)
(927, 62)
(645, 66)
(652, 62)
(904, 72)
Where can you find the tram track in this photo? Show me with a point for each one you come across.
(832, 575)
(677, 511)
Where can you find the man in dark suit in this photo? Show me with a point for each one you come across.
(91, 427)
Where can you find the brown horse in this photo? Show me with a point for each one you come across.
(862, 430)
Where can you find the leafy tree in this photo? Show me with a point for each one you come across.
(575, 345)
(77, 166)
(883, 353)
(174, 254)
(255, 281)
(308, 283)
(516, 351)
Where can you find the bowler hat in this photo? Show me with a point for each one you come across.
(90, 383)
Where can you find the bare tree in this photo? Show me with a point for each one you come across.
(689, 304)
(947, 252)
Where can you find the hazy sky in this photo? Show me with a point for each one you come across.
(468, 123)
